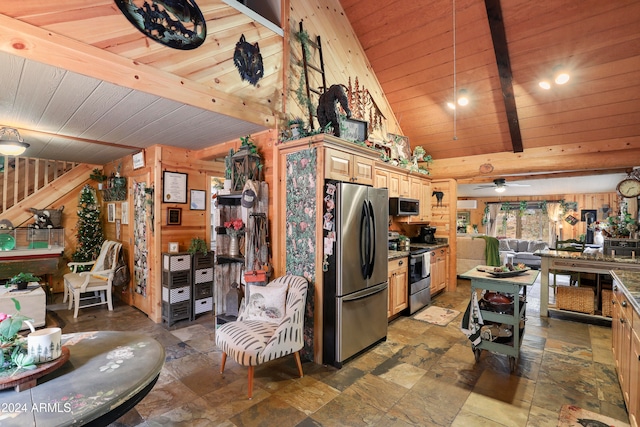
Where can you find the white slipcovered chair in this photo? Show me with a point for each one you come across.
(251, 341)
(98, 280)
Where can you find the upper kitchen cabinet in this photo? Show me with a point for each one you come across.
(343, 166)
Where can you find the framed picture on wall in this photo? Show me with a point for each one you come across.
(138, 160)
(174, 216)
(174, 187)
(111, 212)
(198, 200)
(588, 215)
(124, 207)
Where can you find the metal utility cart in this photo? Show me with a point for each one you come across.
(516, 286)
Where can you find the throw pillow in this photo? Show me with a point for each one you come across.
(503, 245)
(523, 246)
(536, 245)
(266, 303)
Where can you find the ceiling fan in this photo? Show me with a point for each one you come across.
(500, 185)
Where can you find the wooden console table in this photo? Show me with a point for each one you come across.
(107, 374)
(579, 262)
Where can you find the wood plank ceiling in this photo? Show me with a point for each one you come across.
(411, 48)
(66, 115)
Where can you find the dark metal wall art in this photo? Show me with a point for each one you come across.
(178, 24)
(248, 61)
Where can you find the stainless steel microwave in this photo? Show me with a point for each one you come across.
(402, 206)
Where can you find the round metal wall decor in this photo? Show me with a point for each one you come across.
(175, 23)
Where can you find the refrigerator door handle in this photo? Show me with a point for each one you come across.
(372, 241)
(364, 252)
(366, 292)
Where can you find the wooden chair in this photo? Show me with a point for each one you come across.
(253, 342)
(98, 280)
(569, 245)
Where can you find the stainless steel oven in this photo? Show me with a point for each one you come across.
(419, 278)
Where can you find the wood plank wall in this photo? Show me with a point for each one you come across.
(343, 55)
(585, 201)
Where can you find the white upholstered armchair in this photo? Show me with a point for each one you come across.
(98, 279)
(264, 331)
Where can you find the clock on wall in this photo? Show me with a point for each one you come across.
(629, 187)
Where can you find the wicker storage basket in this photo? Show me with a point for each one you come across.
(607, 295)
(574, 298)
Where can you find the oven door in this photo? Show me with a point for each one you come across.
(418, 270)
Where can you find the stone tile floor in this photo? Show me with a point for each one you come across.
(422, 375)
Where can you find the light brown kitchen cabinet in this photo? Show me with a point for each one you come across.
(438, 270)
(343, 166)
(621, 330)
(634, 371)
(398, 286)
(382, 179)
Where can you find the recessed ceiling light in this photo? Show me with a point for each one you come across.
(463, 99)
(562, 78)
(544, 85)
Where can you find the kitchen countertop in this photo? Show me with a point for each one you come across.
(630, 286)
(402, 253)
(588, 256)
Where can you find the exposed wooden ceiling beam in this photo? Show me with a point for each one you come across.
(499, 37)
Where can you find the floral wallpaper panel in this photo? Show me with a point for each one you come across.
(300, 228)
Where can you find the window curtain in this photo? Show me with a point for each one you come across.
(494, 208)
(553, 212)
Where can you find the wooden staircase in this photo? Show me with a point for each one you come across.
(27, 182)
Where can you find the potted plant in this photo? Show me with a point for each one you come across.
(295, 126)
(198, 246)
(13, 353)
(99, 177)
(21, 280)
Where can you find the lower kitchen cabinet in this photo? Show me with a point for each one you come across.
(625, 331)
(398, 286)
(438, 270)
(634, 372)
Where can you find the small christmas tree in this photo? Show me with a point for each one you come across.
(89, 235)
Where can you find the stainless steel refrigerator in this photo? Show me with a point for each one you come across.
(356, 220)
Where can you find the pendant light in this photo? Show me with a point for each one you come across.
(11, 143)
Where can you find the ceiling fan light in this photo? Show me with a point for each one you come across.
(11, 143)
(544, 84)
(500, 189)
(463, 100)
(561, 78)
